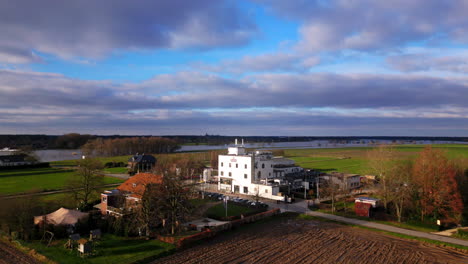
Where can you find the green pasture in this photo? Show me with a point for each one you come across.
(218, 211)
(38, 180)
(104, 160)
(355, 160)
(116, 170)
(111, 249)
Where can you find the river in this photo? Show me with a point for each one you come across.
(73, 154)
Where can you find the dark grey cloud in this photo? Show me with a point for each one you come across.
(244, 123)
(93, 29)
(269, 104)
(192, 90)
(374, 25)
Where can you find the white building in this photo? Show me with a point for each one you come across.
(249, 173)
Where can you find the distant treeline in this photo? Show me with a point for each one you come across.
(129, 146)
(75, 140)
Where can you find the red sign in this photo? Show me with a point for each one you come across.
(233, 160)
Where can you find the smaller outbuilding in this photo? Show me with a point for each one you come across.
(364, 206)
(84, 246)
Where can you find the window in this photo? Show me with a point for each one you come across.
(229, 165)
(263, 165)
(104, 199)
(266, 190)
(245, 166)
(259, 174)
(230, 174)
(245, 175)
(269, 174)
(222, 173)
(237, 165)
(134, 185)
(222, 164)
(246, 190)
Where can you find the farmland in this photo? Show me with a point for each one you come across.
(287, 239)
(37, 180)
(354, 160)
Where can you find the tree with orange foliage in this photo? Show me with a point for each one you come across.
(439, 196)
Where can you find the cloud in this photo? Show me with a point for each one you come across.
(268, 62)
(370, 25)
(195, 90)
(428, 62)
(94, 29)
(262, 104)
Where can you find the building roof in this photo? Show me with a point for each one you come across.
(144, 158)
(136, 185)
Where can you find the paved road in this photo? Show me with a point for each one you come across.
(389, 228)
(301, 207)
(117, 175)
(51, 192)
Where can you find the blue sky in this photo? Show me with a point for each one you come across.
(259, 67)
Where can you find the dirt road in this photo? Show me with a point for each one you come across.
(10, 255)
(290, 240)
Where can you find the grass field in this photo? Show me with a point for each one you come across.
(117, 170)
(354, 160)
(218, 210)
(38, 180)
(123, 159)
(111, 249)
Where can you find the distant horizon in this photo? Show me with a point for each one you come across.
(233, 136)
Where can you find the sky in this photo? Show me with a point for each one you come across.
(234, 67)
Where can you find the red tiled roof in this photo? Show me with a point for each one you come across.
(136, 185)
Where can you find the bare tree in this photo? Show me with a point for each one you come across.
(400, 187)
(330, 189)
(381, 160)
(85, 181)
(171, 198)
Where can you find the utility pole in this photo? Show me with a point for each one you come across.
(317, 183)
(226, 198)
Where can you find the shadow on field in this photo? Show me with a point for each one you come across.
(33, 173)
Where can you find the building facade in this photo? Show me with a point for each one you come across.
(248, 173)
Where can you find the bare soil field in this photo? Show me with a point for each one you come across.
(291, 240)
(10, 255)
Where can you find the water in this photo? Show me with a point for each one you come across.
(74, 154)
(316, 144)
(49, 155)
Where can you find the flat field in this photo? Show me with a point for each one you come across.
(38, 180)
(291, 240)
(232, 210)
(355, 160)
(111, 249)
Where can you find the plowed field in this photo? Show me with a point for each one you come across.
(10, 255)
(290, 240)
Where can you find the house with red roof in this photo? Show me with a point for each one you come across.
(128, 195)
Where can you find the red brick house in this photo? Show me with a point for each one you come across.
(128, 194)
